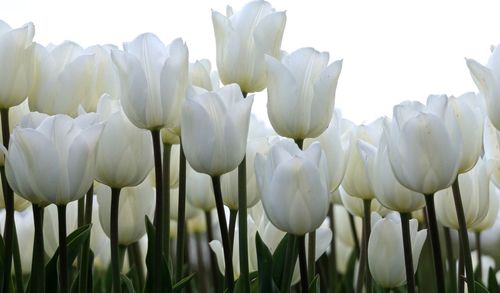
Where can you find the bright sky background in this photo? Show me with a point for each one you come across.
(392, 50)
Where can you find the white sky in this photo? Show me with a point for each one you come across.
(392, 50)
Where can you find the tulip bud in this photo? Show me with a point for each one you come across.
(293, 185)
(215, 129)
(385, 249)
(301, 92)
(242, 39)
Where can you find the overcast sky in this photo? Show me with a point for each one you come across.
(392, 50)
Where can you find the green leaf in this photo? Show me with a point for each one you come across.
(492, 282)
(74, 242)
(480, 288)
(265, 265)
(314, 286)
(182, 283)
(126, 284)
(279, 260)
(347, 284)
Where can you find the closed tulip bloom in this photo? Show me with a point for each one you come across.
(357, 180)
(51, 227)
(16, 53)
(124, 154)
(199, 190)
(389, 192)
(154, 80)
(490, 240)
(385, 250)
(335, 144)
(301, 92)
(201, 75)
(243, 39)
(215, 129)
(474, 191)
(16, 114)
(423, 151)
(487, 79)
(64, 76)
(354, 205)
(493, 208)
(491, 146)
(294, 186)
(55, 162)
(190, 212)
(342, 230)
(135, 203)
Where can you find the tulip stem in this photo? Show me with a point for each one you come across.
(405, 229)
(290, 260)
(451, 261)
(115, 258)
(302, 263)
(87, 219)
(479, 254)
(181, 215)
(354, 233)
(461, 277)
(364, 271)
(242, 225)
(311, 251)
(17, 262)
(63, 257)
(464, 237)
(167, 149)
(213, 260)
(228, 256)
(232, 225)
(436, 249)
(38, 259)
(200, 261)
(333, 250)
(299, 142)
(157, 260)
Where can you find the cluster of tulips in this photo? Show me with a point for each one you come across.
(134, 170)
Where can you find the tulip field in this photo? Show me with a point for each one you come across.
(132, 169)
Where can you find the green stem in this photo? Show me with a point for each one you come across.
(479, 254)
(354, 234)
(232, 225)
(181, 218)
(38, 259)
(464, 237)
(299, 142)
(85, 267)
(213, 260)
(228, 256)
(167, 149)
(200, 262)
(115, 258)
(302, 263)
(333, 250)
(290, 260)
(450, 260)
(157, 260)
(436, 248)
(80, 212)
(17, 262)
(405, 229)
(364, 271)
(461, 277)
(63, 255)
(242, 225)
(311, 254)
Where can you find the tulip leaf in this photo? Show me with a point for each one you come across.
(150, 257)
(480, 288)
(74, 242)
(279, 259)
(182, 283)
(314, 286)
(126, 284)
(265, 265)
(492, 282)
(348, 280)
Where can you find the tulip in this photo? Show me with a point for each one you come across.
(293, 184)
(474, 187)
(215, 129)
(64, 77)
(492, 210)
(199, 190)
(491, 145)
(190, 212)
(301, 92)
(335, 144)
(385, 250)
(124, 152)
(354, 205)
(242, 39)
(154, 80)
(135, 203)
(16, 53)
(55, 162)
(25, 235)
(487, 79)
(201, 75)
